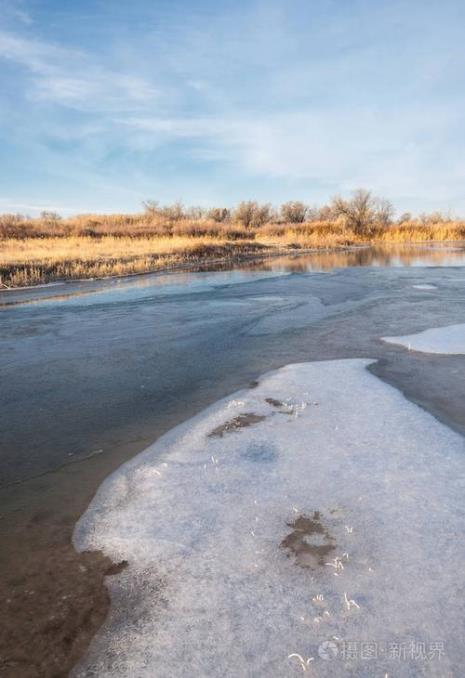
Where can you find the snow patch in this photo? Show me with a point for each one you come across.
(449, 340)
(338, 516)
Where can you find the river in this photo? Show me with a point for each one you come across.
(93, 372)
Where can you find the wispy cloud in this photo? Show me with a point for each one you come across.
(375, 149)
(71, 78)
(253, 98)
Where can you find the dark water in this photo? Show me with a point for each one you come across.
(93, 372)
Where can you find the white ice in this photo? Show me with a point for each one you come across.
(447, 340)
(425, 286)
(210, 591)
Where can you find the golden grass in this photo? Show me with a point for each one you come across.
(31, 261)
(37, 251)
(414, 232)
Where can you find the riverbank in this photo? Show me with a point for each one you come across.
(38, 257)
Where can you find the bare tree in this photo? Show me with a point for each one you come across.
(50, 217)
(384, 211)
(294, 212)
(404, 218)
(151, 207)
(218, 214)
(195, 213)
(362, 211)
(174, 212)
(251, 215)
(325, 213)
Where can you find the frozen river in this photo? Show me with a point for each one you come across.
(93, 373)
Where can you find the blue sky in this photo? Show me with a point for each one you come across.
(105, 103)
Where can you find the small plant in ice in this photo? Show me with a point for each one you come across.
(236, 403)
(349, 603)
(303, 662)
(336, 563)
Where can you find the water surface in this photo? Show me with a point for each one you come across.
(93, 372)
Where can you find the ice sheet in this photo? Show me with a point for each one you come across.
(448, 340)
(333, 514)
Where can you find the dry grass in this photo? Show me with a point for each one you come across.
(451, 231)
(40, 250)
(31, 261)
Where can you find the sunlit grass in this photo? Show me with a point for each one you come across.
(41, 250)
(37, 260)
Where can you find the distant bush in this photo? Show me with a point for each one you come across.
(151, 207)
(404, 218)
(363, 211)
(174, 212)
(252, 215)
(360, 217)
(50, 217)
(294, 212)
(218, 214)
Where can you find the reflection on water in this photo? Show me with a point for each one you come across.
(379, 256)
(210, 275)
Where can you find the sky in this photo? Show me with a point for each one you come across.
(105, 103)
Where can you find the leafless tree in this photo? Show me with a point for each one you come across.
(218, 214)
(404, 218)
(250, 214)
(294, 212)
(195, 213)
(384, 211)
(151, 207)
(362, 211)
(50, 217)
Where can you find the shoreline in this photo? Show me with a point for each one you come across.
(197, 264)
(200, 264)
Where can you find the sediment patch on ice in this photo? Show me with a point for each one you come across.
(263, 552)
(448, 340)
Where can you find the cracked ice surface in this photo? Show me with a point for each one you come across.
(340, 514)
(447, 340)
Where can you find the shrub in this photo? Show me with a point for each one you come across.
(294, 212)
(363, 211)
(252, 215)
(218, 214)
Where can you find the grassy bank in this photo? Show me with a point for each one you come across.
(34, 251)
(34, 261)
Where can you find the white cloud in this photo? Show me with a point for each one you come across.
(313, 95)
(391, 152)
(71, 78)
